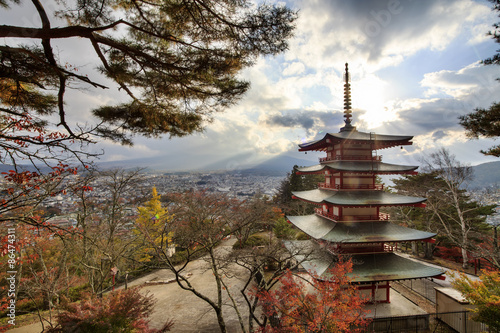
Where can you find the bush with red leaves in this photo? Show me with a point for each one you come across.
(120, 311)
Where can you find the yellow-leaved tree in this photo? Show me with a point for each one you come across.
(151, 227)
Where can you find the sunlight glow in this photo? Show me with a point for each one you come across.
(369, 94)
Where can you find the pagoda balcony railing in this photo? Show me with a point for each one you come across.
(390, 247)
(378, 187)
(351, 158)
(337, 218)
(384, 216)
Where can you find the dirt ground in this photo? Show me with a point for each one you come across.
(188, 312)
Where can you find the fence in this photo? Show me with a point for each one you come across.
(423, 287)
(447, 322)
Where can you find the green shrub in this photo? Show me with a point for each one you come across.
(76, 293)
(302, 236)
(283, 230)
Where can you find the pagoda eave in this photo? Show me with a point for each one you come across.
(359, 198)
(376, 141)
(357, 167)
(357, 232)
(367, 268)
(320, 172)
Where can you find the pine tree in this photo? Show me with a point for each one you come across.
(486, 122)
(177, 62)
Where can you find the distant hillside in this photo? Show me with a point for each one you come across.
(278, 166)
(486, 175)
(27, 167)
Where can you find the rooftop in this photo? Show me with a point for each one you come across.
(373, 267)
(378, 141)
(359, 166)
(356, 232)
(357, 198)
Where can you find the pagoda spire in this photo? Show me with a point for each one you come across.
(347, 101)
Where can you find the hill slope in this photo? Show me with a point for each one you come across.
(486, 175)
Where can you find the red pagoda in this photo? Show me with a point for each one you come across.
(347, 220)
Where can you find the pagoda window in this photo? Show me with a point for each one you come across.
(362, 248)
(338, 153)
(358, 154)
(360, 214)
(336, 211)
(360, 210)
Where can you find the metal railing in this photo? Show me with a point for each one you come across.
(379, 217)
(423, 287)
(351, 158)
(378, 187)
(444, 322)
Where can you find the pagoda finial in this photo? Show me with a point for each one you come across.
(347, 101)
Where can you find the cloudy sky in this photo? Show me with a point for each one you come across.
(415, 68)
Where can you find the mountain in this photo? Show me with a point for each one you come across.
(24, 167)
(278, 166)
(486, 175)
(240, 163)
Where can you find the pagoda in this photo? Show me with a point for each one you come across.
(347, 219)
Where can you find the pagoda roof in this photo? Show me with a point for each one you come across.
(372, 267)
(360, 166)
(357, 198)
(379, 141)
(356, 232)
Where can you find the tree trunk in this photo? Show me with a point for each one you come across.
(220, 320)
(414, 249)
(465, 259)
(428, 251)
(495, 240)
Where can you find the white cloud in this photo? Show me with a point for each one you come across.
(294, 68)
(381, 33)
(475, 84)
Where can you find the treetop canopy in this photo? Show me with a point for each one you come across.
(177, 61)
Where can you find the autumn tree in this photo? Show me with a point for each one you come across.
(307, 304)
(203, 227)
(120, 311)
(175, 63)
(458, 215)
(265, 265)
(201, 222)
(105, 223)
(485, 122)
(152, 229)
(484, 294)
(23, 193)
(44, 270)
(421, 185)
